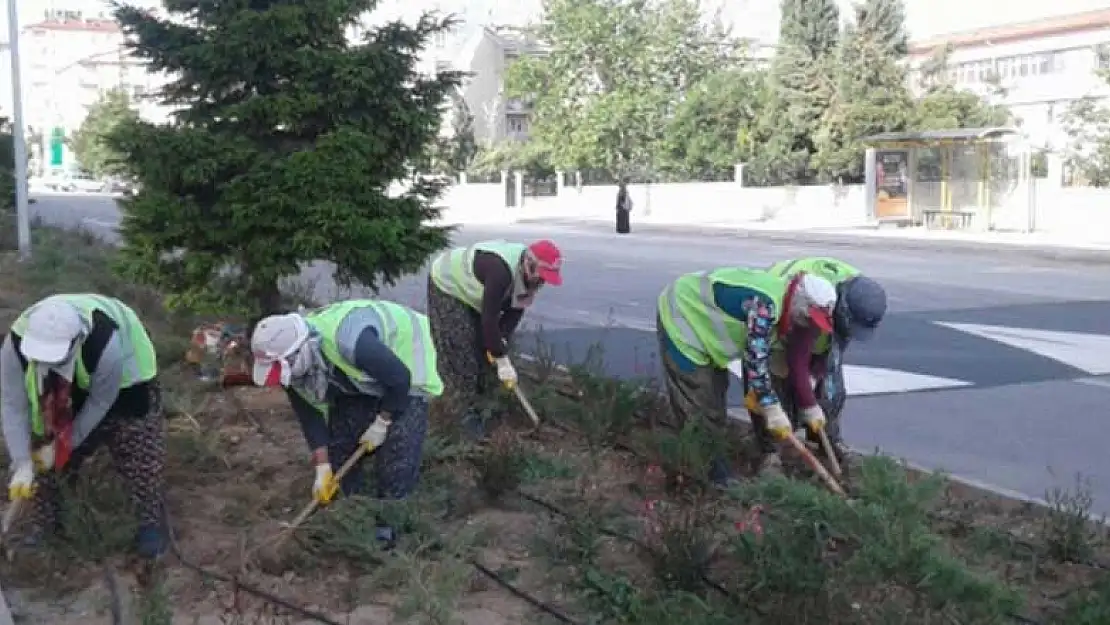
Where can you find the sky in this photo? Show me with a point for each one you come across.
(925, 18)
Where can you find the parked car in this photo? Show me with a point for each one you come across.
(84, 182)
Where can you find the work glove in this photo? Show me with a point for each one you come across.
(814, 418)
(374, 435)
(43, 458)
(778, 424)
(22, 484)
(505, 371)
(325, 487)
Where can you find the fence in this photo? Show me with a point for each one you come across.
(1083, 212)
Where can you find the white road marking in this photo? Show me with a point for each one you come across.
(103, 223)
(1099, 382)
(1087, 352)
(861, 381)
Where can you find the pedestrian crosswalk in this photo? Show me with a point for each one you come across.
(1087, 354)
(1084, 351)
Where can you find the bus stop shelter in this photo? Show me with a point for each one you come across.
(960, 179)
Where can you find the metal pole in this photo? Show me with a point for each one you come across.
(23, 216)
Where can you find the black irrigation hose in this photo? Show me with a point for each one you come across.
(520, 594)
(709, 582)
(247, 588)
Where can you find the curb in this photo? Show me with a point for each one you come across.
(841, 239)
(741, 415)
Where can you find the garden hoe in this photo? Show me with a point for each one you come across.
(815, 464)
(312, 505)
(522, 398)
(830, 453)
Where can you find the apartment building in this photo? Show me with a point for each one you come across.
(487, 54)
(1035, 68)
(68, 58)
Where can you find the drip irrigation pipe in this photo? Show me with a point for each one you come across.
(520, 594)
(247, 588)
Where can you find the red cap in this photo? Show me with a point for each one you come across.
(550, 261)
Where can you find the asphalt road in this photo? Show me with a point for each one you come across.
(990, 366)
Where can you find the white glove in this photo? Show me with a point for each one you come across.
(325, 486)
(22, 485)
(814, 418)
(778, 424)
(44, 458)
(505, 371)
(374, 435)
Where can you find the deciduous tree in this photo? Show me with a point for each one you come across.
(712, 128)
(287, 142)
(1087, 157)
(611, 78)
(90, 143)
(944, 106)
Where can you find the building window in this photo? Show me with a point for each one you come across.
(516, 125)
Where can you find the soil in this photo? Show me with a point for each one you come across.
(238, 469)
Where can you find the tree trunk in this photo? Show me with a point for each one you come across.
(267, 298)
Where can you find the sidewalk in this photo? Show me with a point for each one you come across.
(1047, 245)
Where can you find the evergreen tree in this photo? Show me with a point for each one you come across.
(871, 94)
(284, 149)
(801, 89)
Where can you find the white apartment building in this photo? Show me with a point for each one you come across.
(1042, 66)
(487, 54)
(67, 61)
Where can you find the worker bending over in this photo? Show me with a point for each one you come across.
(78, 371)
(476, 297)
(358, 372)
(860, 307)
(708, 319)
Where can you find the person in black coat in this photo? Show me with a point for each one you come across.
(624, 207)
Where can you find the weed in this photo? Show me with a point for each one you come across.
(541, 467)
(686, 455)
(96, 517)
(432, 587)
(1067, 531)
(682, 536)
(500, 466)
(578, 537)
(605, 409)
(1091, 606)
(154, 606)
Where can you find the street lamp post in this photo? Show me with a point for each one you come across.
(23, 217)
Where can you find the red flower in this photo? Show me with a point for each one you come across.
(751, 522)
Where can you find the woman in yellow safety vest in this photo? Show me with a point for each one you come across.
(860, 308)
(77, 371)
(357, 372)
(709, 319)
(476, 298)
